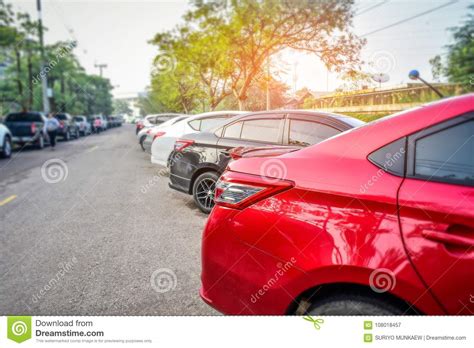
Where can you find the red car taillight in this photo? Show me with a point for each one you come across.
(159, 134)
(33, 128)
(239, 190)
(181, 144)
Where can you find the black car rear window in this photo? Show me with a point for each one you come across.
(61, 117)
(24, 117)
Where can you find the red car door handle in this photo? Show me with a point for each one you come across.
(448, 238)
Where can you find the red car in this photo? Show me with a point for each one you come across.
(377, 220)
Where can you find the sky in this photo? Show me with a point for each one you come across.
(117, 33)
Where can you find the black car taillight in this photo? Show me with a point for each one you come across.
(238, 190)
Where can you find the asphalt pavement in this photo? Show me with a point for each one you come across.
(93, 229)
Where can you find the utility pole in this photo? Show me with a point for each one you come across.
(101, 67)
(43, 72)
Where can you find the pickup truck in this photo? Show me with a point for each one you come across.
(27, 128)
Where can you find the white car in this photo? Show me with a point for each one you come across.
(5, 142)
(157, 119)
(147, 135)
(163, 145)
(150, 121)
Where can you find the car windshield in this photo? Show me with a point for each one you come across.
(23, 117)
(61, 117)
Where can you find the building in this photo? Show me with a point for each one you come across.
(132, 101)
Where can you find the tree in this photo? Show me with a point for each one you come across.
(225, 45)
(121, 107)
(460, 61)
(355, 81)
(256, 100)
(255, 30)
(73, 90)
(459, 64)
(437, 69)
(203, 68)
(175, 91)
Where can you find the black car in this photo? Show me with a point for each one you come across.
(67, 127)
(199, 159)
(27, 128)
(112, 122)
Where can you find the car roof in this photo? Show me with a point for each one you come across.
(351, 121)
(170, 114)
(217, 113)
(385, 130)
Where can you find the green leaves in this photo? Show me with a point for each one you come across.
(459, 66)
(74, 91)
(224, 45)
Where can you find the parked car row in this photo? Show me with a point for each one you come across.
(153, 120)
(29, 128)
(319, 213)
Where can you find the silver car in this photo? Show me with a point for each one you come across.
(83, 125)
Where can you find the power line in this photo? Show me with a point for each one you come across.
(370, 8)
(60, 14)
(410, 18)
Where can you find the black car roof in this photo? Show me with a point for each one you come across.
(351, 121)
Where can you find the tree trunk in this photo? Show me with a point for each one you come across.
(18, 76)
(62, 87)
(52, 101)
(184, 106)
(241, 104)
(30, 82)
